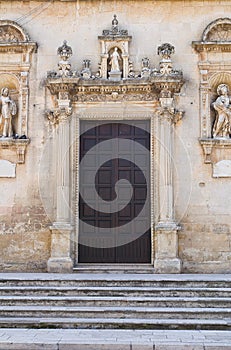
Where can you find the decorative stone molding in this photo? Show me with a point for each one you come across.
(216, 39)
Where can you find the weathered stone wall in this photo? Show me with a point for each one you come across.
(202, 202)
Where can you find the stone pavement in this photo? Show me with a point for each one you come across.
(77, 339)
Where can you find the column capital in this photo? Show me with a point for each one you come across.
(58, 115)
(168, 111)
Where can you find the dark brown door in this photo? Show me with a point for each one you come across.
(114, 220)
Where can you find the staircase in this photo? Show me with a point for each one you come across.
(115, 301)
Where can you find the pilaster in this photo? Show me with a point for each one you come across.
(61, 229)
(166, 230)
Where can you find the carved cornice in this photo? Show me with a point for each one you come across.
(201, 46)
(10, 48)
(146, 89)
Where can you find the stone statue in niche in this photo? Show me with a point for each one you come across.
(222, 106)
(115, 58)
(8, 110)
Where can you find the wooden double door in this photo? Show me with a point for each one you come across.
(109, 153)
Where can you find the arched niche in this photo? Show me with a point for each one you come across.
(214, 64)
(110, 52)
(16, 51)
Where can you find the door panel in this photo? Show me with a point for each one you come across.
(102, 231)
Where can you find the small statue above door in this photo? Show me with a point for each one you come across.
(114, 63)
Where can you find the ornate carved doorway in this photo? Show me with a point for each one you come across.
(114, 210)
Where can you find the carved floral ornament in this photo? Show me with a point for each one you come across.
(116, 79)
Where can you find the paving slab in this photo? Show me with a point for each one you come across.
(114, 339)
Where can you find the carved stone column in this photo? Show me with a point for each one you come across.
(166, 239)
(60, 260)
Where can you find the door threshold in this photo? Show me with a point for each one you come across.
(113, 268)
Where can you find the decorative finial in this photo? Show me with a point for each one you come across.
(64, 51)
(115, 31)
(166, 51)
(115, 22)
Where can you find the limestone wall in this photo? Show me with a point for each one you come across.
(202, 202)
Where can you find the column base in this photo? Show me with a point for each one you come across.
(60, 260)
(168, 265)
(60, 265)
(166, 248)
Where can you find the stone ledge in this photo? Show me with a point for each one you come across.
(17, 145)
(208, 144)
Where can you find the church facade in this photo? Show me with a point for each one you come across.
(115, 135)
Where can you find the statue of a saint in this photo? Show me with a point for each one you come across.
(114, 62)
(9, 109)
(222, 125)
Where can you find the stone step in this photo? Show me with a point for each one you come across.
(116, 312)
(109, 280)
(115, 291)
(143, 301)
(115, 323)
